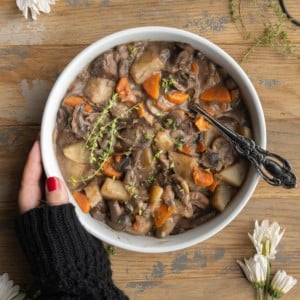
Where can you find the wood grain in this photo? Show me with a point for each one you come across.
(32, 55)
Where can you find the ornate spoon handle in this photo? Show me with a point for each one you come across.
(272, 167)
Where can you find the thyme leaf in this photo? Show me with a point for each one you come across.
(133, 52)
(166, 83)
(112, 250)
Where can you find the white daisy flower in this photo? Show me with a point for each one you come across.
(281, 284)
(9, 291)
(35, 7)
(266, 238)
(255, 269)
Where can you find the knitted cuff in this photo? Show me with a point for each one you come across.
(63, 255)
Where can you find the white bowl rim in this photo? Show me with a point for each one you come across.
(75, 66)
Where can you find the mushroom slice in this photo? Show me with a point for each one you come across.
(225, 150)
(118, 220)
(80, 125)
(167, 227)
(199, 199)
(183, 210)
(168, 195)
(99, 211)
(142, 224)
(115, 210)
(209, 135)
(181, 189)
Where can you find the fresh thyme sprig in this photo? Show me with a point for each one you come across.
(274, 36)
(274, 33)
(101, 129)
(235, 12)
(131, 188)
(109, 150)
(98, 129)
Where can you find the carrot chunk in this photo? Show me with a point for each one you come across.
(195, 68)
(74, 101)
(124, 91)
(161, 214)
(177, 97)
(217, 93)
(142, 112)
(118, 158)
(214, 185)
(83, 201)
(110, 171)
(201, 148)
(202, 177)
(151, 86)
(201, 123)
(185, 149)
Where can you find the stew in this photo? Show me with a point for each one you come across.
(130, 151)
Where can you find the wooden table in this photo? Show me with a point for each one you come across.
(32, 54)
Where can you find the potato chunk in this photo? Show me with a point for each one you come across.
(147, 64)
(114, 190)
(221, 197)
(146, 159)
(163, 141)
(155, 195)
(77, 152)
(183, 165)
(99, 90)
(234, 174)
(92, 192)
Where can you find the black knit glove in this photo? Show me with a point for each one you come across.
(68, 262)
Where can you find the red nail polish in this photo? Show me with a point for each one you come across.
(52, 184)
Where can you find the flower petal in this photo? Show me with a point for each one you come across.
(8, 290)
(281, 283)
(35, 7)
(266, 238)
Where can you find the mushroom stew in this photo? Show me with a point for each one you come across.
(130, 151)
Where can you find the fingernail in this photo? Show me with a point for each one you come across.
(52, 184)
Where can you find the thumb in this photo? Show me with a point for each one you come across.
(56, 193)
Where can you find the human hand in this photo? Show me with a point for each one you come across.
(30, 194)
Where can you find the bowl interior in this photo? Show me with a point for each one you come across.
(213, 52)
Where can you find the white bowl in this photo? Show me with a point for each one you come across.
(213, 52)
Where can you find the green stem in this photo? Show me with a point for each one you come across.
(267, 296)
(260, 294)
(267, 280)
(251, 49)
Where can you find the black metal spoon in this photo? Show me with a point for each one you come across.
(273, 168)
